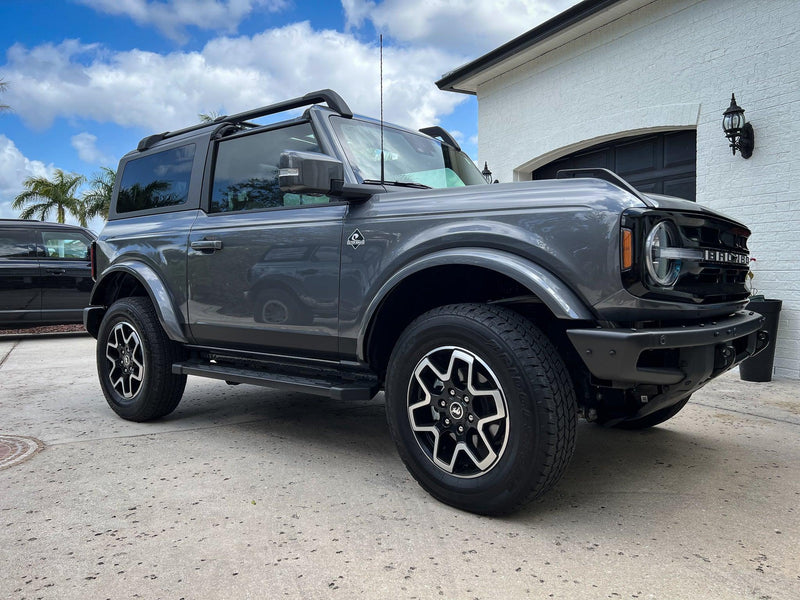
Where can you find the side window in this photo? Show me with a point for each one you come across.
(16, 243)
(157, 180)
(246, 170)
(67, 245)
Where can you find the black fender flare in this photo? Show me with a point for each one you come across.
(554, 293)
(168, 314)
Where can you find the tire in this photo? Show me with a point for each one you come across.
(134, 362)
(653, 418)
(491, 372)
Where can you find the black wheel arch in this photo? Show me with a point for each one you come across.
(134, 279)
(439, 285)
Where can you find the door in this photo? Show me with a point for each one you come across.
(662, 163)
(66, 274)
(20, 291)
(263, 265)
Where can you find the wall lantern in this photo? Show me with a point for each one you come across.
(487, 174)
(738, 130)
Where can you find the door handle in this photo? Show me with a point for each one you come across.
(56, 271)
(206, 245)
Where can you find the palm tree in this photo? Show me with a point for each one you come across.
(43, 195)
(209, 117)
(3, 88)
(97, 200)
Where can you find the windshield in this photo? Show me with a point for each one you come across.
(408, 157)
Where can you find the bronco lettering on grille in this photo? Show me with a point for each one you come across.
(720, 256)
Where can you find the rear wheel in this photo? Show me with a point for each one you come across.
(134, 362)
(481, 407)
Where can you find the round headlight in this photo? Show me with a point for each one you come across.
(663, 268)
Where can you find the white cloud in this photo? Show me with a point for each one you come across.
(166, 92)
(171, 17)
(86, 145)
(357, 11)
(470, 27)
(14, 169)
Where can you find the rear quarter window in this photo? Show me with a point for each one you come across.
(157, 180)
(15, 243)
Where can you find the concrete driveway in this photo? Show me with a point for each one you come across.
(246, 492)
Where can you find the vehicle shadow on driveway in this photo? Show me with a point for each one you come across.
(615, 471)
(313, 420)
(608, 465)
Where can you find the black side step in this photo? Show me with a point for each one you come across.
(328, 383)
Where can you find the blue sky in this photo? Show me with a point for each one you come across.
(88, 78)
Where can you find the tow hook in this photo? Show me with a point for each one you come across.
(724, 358)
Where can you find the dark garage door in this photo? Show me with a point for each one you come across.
(662, 163)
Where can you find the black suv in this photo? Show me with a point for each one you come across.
(45, 273)
(341, 256)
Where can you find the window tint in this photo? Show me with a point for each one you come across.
(69, 245)
(160, 179)
(15, 243)
(246, 170)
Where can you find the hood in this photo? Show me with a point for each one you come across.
(662, 202)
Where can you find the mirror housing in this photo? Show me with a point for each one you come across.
(308, 172)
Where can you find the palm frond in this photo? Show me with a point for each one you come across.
(3, 88)
(41, 196)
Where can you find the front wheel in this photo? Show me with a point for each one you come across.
(481, 407)
(134, 362)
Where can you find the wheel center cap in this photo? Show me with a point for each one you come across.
(126, 360)
(456, 410)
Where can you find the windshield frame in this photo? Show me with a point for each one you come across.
(451, 167)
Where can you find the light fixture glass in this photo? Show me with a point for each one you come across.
(487, 174)
(738, 131)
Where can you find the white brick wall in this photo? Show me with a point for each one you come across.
(674, 64)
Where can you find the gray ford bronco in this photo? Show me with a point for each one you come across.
(333, 255)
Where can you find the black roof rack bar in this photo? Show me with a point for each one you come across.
(331, 98)
(442, 133)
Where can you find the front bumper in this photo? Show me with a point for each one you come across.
(686, 356)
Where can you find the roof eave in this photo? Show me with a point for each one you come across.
(458, 79)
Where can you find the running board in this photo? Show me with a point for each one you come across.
(328, 383)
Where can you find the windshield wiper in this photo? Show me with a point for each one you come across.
(410, 184)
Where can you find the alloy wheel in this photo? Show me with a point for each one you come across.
(457, 411)
(125, 354)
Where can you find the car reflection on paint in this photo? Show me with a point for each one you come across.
(295, 284)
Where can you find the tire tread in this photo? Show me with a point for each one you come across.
(164, 389)
(529, 347)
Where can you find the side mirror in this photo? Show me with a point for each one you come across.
(308, 172)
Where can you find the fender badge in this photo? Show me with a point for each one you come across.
(356, 239)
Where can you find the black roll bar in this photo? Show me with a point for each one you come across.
(332, 99)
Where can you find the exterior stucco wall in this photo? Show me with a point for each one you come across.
(673, 65)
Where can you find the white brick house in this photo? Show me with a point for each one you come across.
(642, 84)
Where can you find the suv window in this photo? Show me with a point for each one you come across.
(68, 245)
(407, 157)
(15, 243)
(246, 170)
(156, 180)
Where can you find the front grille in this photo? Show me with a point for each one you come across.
(717, 275)
(723, 278)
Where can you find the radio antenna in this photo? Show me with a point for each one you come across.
(383, 175)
